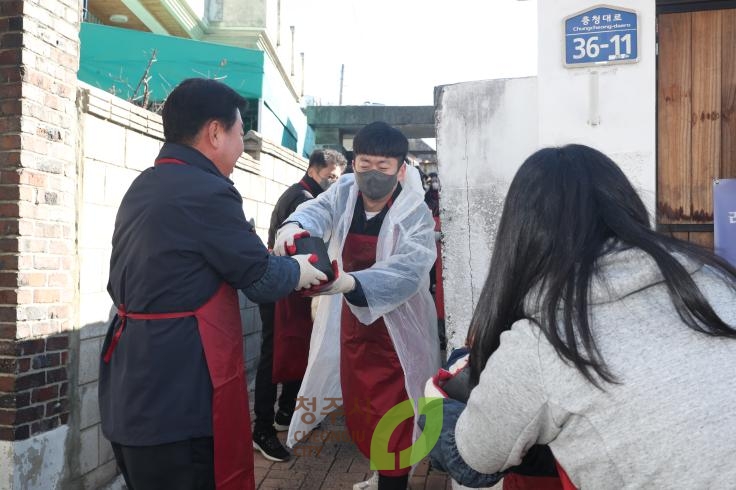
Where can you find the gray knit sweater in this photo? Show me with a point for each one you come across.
(671, 423)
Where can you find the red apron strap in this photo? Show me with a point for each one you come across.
(124, 315)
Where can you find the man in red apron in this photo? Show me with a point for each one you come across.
(287, 324)
(382, 240)
(172, 391)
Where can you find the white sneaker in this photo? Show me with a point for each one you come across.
(370, 484)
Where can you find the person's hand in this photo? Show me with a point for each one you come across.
(308, 274)
(285, 236)
(343, 283)
(433, 388)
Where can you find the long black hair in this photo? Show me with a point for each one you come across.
(564, 208)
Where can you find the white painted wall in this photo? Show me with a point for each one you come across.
(627, 94)
(37, 463)
(486, 129)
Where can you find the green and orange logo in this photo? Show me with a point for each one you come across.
(381, 458)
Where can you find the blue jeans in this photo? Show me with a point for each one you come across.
(445, 455)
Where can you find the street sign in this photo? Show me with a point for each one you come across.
(601, 35)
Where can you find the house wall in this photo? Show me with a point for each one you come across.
(486, 129)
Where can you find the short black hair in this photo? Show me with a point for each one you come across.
(378, 138)
(194, 102)
(323, 157)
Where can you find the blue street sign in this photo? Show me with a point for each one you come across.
(724, 219)
(601, 35)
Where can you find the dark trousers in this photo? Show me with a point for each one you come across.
(265, 390)
(183, 465)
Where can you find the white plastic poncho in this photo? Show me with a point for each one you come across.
(396, 288)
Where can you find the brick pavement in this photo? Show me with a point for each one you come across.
(326, 461)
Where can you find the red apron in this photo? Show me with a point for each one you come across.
(221, 332)
(371, 376)
(292, 329)
(515, 481)
(439, 290)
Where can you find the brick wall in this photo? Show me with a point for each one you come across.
(38, 66)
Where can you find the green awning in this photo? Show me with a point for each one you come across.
(115, 60)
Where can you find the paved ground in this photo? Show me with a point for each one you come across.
(332, 464)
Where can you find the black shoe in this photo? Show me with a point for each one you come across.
(282, 420)
(270, 447)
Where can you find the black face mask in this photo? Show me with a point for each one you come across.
(374, 184)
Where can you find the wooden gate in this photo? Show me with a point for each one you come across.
(696, 117)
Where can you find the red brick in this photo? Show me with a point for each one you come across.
(63, 388)
(11, 7)
(10, 57)
(7, 434)
(34, 346)
(45, 394)
(21, 432)
(11, 107)
(8, 245)
(56, 375)
(11, 74)
(9, 227)
(11, 91)
(30, 381)
(22, 399)
(9, 177)
(9, 209)
(8, 297)
(7, 417)
(29, 414)
(7, 365)
(12, 40)
(7, 383)
(7, 348)
(58, 342)
(7, 331)
(43, 361)
(24, 365)
(57, 407)
(64, 417)
(7, 400)
(8, 279)
(7, 313)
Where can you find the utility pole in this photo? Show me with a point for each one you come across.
(342, 77)
(292, 50)
(302, 55)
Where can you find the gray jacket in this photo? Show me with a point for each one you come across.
(671, 421)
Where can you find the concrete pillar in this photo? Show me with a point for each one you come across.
(39, 52)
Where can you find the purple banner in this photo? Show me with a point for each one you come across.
(724, 219)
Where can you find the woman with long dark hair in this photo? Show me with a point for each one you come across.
(599, 337)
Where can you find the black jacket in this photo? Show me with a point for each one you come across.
(302, 191)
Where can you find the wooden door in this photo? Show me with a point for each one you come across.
(696, 118)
